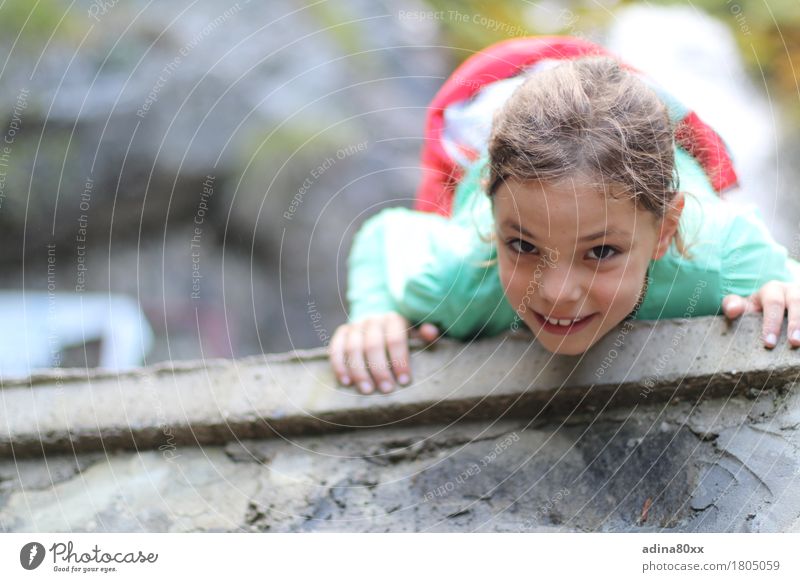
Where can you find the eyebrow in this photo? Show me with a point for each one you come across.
(588, 237)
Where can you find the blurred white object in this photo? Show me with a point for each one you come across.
(696, 58)
(36, 326)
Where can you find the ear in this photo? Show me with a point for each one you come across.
(669, 225)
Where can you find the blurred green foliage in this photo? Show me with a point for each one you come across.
(32, 23)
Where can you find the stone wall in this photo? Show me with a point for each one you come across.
(656, 429)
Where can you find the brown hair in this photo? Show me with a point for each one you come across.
(592, 116)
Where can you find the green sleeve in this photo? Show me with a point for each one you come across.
(732, 251)
(367, 284)
(398, 263)
(428, 268)
(751, 257)
(794, 268)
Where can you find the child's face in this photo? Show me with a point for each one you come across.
(551, 268)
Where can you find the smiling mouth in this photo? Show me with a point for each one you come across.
(564, 321)
(563, 326)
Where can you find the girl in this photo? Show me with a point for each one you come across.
(584, 212)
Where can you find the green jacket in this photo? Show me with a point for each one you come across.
(429, 268)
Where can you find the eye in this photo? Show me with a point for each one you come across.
(521, 246)
(603, 252)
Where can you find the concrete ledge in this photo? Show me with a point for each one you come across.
(213, 402)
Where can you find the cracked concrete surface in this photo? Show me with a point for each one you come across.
(721, 465)
(673, 455)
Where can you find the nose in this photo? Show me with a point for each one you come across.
(559, 283)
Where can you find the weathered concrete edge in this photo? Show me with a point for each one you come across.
(537, 406)
(716, 369)
(80, 375)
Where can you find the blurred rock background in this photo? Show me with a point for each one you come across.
(212, 160)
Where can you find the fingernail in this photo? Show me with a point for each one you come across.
(404, 379)
(796, 335)
(366, 387)
(385, 386)
(346, 380)
(771, 339)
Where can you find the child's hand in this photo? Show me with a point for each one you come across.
(774, 298)
(358, 351)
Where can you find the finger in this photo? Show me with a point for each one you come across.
(336, 353)
(355, 359)
(429, 332)
(793, 306)
(375, 350)
(772, 298)
(733, 306)
(397, 344)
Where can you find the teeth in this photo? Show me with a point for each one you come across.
(564, 322)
